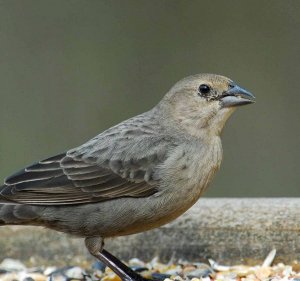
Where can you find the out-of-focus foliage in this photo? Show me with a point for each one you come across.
(70, 69)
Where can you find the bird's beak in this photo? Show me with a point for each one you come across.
(236, 96)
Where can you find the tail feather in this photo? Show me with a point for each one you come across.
(15, 213)
(11, 213)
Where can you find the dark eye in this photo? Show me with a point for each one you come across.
(204, 89)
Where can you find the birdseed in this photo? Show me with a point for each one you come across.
(14, 270)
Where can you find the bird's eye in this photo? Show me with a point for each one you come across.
(204, 89)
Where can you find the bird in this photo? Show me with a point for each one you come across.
(135, 176)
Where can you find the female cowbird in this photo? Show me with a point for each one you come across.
(135, 176)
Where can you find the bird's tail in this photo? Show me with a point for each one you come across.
(17, 214)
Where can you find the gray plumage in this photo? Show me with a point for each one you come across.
(137, 175)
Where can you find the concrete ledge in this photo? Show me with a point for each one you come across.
(228, 230)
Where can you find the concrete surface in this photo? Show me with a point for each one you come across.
(228, 230)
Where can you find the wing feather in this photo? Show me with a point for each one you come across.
(121, 162)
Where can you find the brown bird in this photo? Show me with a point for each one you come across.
(135, 176)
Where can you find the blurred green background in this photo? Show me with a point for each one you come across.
(70, 69)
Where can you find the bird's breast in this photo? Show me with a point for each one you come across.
(185, 175)
(189, 170)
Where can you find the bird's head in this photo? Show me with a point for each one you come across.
(202, 103)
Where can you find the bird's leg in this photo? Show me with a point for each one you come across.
(123, 271)
(95, 247)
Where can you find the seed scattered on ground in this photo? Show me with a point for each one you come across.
(14, 270)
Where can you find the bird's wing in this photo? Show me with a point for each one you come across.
(121, 162)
